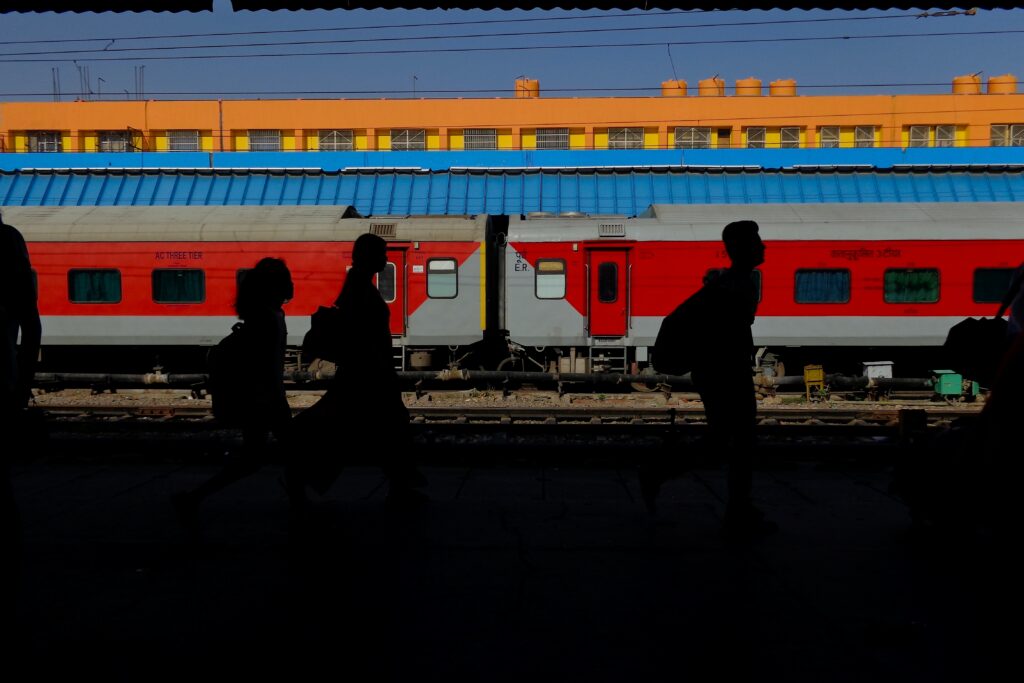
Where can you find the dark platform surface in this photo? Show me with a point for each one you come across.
(513, 571)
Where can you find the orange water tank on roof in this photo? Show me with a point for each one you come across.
(673, 88)
(746, 87)
(783, 87)
(1002, 85)
(967, 85)
(527, 88)
(711, 87)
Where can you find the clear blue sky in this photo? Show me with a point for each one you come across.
(901, 60)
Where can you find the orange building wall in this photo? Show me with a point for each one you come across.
(588, 117)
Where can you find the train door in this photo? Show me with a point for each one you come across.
(608, 289)
(391, 283)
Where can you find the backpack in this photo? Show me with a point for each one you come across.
(675, 348)
(228, 381)
(325, 335)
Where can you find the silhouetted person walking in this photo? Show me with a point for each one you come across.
(720, 346)
(363, 405)
(18, 315)
(261, 294)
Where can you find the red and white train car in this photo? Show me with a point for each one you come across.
(852, 281)
(124, 286)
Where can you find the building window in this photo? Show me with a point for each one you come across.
(625, 138)
(755, 138)
(552, 138)
(607, 282)
(789, 138)
(1007, 135)
(864, 136)
(114, 141)
(44, 141)
(408, 139)
(755, 278)
(94, 286)
(822, 286)
(442, 278)
(693, 138)
(480, 138)
(179, 286)
(724, 138)
(264, 141)
(386, 282)
(911, 286)
(920, 136)
(183, 140)
(945, 136)
(336, 141)
(992, 284)
(828, 136)
(550, 279)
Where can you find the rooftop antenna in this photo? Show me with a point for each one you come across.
(99, 87)
(414, 79)
(55, 73)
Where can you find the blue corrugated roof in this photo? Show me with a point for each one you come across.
(503, 191)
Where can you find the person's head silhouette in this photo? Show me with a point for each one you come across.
(369, 254)
(743, 244)
(264, 288)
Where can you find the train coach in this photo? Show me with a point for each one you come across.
(841, 284)
(124, 288)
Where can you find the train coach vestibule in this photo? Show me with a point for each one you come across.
(608, 298)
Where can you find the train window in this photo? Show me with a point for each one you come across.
(179, 286)
(552, 138)
(550, 279)
(755, 138)
(240, 275)
(480, 138)
(911, 286)
(35, 282)
(264, 141)
(625, 138)
(408, 139)
(822, 286)
(789, 138)
(336, 141)
(828, 136)
(693, 138)
(992, 284)
(442, 278)
(101, 286)
(183, 140)
(386, 282)
(607, 282)
(864, 136)
(755, 277)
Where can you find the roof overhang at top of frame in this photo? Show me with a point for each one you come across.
(603, 4)
(35, 6)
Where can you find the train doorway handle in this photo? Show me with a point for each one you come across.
(629, 293)
(586, 270)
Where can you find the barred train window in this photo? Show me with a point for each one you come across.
(386, 282)
(755, 138)
(607, 282)
(864, 136)
(991, 284)
(183, 140)
(408, 139)
(336, 141)
(828, 136)
(240, 275)
(480, 138)
(906, 286)
(101, 286)
(789, 138)
(44, 141)
(114, 141)
(755, 278)
(264, 141)
(625, 138)
(822, 286)
(552, 138)
(442, 278)
(945, 136)
(693, 138)
(1007, 135)
(179, 286)
(550, 279)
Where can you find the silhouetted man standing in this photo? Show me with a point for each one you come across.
(722, 370)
